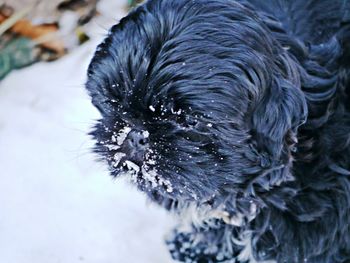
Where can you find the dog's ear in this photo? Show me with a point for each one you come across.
(277, 116)
(274, 123)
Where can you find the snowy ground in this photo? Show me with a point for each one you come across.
(56, 203)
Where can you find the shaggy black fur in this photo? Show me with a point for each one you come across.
(247, 111)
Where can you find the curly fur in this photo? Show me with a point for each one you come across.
(246, 106)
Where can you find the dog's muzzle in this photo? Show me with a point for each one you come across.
(135, 146)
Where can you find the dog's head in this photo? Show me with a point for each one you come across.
(199, 102)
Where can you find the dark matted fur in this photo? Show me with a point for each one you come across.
(248, 112)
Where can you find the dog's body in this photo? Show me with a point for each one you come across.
(236, 116)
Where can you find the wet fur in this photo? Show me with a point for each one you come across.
(248, 119)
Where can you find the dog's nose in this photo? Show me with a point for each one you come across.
(138, 139)
(135, 145)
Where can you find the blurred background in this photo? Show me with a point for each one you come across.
(57, 204)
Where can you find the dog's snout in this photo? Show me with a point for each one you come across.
(135, 145)
(137, 139)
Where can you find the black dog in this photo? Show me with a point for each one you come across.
(235, 115)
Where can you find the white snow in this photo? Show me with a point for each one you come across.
(117, 158)
(57, 204)
(152, 108)
(132, 165)
(122, 134)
